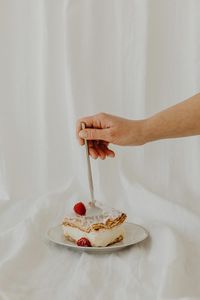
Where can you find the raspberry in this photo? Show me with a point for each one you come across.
(83, 242)
(80, 209)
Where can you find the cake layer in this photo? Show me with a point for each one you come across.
(101, 238)
(106, 220)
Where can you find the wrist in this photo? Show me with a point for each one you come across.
(144, 131)
(150, 130)
(139, 132)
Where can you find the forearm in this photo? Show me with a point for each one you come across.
(180, 120)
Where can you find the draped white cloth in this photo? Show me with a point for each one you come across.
(60, 60)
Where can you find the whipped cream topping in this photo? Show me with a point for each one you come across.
(88, 220)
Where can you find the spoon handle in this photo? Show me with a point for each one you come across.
(89, 170)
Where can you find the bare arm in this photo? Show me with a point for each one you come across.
(179, 120)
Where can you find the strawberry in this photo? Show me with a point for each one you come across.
(80, 209)
(83, 242)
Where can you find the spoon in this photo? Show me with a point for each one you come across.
(93, 209)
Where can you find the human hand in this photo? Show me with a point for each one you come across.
(102, 129)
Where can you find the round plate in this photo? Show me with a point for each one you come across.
(133, 235)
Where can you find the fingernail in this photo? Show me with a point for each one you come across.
(83, 134)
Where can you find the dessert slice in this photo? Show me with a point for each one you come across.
(103, 229)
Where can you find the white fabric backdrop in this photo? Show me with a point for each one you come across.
(60, 60)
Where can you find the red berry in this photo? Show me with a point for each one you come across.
(80, 209)
(83, 242)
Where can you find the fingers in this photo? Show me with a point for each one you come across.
(95, 134)
(78, 129)
(89, 122)
(98, 134)
(107, 151)
(92, 151)
(97, 121)
(101, 153)
(99, 150)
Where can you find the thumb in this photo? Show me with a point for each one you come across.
(94, 134)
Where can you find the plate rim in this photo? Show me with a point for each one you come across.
(98, 249)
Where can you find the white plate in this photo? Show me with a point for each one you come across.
(133, 235)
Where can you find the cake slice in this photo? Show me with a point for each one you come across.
(103, 229)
